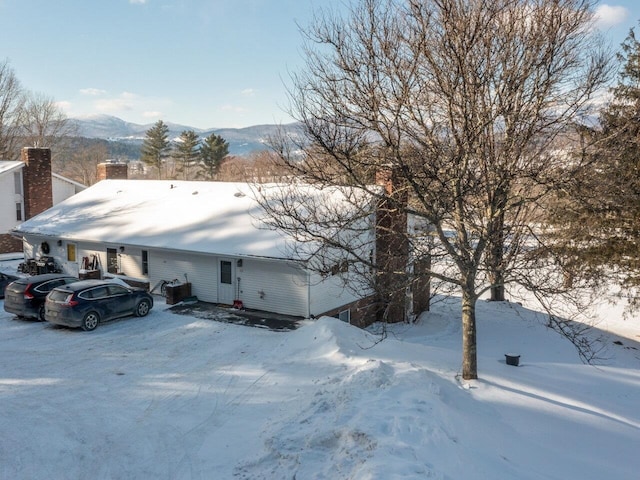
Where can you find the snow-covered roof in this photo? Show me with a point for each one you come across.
(207, 217)
(9, 165)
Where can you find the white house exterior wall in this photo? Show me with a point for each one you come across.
(274, 286)
(7, 203)
(261, 284)
(200, 270)
(61, 190)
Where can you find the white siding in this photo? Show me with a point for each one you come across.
(200, 270)
(274, 286)
(61, 190)
(8, 200)
(269, 285)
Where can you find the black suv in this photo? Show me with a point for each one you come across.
(25, 296)
(86, 303)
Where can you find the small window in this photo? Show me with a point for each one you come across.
(145, 262)
(225, 272)
(71, 252)
(17, 181)
(345, 316)
(19, 211)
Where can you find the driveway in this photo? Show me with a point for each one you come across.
(251, 318)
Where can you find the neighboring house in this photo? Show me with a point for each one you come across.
(27, 188)
(64, 188)
(206, 233)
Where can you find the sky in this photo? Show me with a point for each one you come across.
(201, 63)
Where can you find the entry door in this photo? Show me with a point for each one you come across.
(226, 283)
(112, 260)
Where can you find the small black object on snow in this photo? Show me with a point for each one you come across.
(512, 359)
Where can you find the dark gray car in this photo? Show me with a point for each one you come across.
(86, 303)
(25, 296)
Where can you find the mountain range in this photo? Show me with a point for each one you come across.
(241, 141)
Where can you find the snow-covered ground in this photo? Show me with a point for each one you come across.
(176, 397)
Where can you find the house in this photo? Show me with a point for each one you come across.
(207, 234)
(27, 188)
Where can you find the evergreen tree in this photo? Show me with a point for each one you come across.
(597, 220)
(214, 149)
(156, 146)
(187, 152)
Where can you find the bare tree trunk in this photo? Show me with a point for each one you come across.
(495, 260)
(469, 348)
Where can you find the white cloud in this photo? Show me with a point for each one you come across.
(248, 92)
(233, 108)
(94, 92)
(152, 114)
(125, 101)
(610, 15)
(64, 105)
(138, 2)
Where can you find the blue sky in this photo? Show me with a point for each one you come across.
(201, 63)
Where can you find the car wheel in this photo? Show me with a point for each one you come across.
(41, 313)
(143, 308)
(90, 321)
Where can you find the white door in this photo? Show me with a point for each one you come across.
(226, 282)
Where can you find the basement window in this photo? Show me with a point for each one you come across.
(345, 316)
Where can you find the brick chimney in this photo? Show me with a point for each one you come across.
(37, 184)
(112, 170)
(392, 246)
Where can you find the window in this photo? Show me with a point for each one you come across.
(145, 262)
(19, 211)
(345, 316)
(71, 252)
(17, 181)
(225, 272)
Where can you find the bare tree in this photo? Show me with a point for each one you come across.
(44, 124)
(11, 102)
(460, 100)
(259, 167)
(82, 164)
